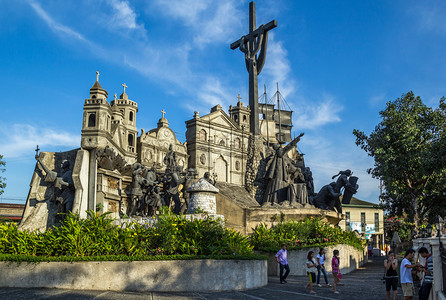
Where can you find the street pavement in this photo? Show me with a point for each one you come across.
(362, 284)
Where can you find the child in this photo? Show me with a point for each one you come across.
(311, 271)
(335, 270)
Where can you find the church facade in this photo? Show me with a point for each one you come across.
(217, 143)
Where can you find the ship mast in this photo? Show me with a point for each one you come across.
(280, 140)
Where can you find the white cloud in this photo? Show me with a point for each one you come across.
(326, 159)
(123, 17)
(209, 21)
(277, 68)
(313, 115)
(55, 26)
(18, 139)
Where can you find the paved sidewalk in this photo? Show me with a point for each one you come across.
(362, 284)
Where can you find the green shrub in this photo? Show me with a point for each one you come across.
(97, 236)
(311, 232)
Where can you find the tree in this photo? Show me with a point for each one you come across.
(2, 179)
(408, 147)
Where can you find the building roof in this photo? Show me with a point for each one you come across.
(356, 202)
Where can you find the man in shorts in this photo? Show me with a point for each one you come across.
(406, 270)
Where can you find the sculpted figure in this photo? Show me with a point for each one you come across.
(154, 201)
(172, 183)
(328, 198)
(189, 180)
(136, 195)
(207, 176)
(277, 176)
(348, 182)
(170, 159)
(63, 184)
(308, 175)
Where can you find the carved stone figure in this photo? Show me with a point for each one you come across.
(348, 182)
(207, 176)
(328, 198)
(136, 195)
(170, 159)
(63, 184)
(308, 175)
(189, 180)
(277, 176)
(172, 183)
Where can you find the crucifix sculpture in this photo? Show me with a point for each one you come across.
(163, 112)
(251, 44)
(124, 86)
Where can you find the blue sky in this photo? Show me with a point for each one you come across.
(337, 64)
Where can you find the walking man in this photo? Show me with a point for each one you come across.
(281, 258)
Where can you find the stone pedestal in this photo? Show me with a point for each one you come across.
(202, 197)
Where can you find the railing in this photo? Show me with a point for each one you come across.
(443, 267)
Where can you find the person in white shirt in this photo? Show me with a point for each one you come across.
(311, 265)
(406, 270)
(320, 258)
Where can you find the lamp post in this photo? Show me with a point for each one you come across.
(429, 230)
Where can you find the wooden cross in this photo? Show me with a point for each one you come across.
(97, 75)
(238, 97)
(250, 44)
(163, 112)
(124, 87)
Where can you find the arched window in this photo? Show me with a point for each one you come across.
(203, 135)
(131, 116)
(94, 97)
(131, 140)
(244, 118)
(222, 143)
(235, 118)
(92, 120)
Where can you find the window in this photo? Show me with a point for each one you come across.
(222, 143)
(244, 118)
(363, 221)
(131, 140)
(376, 222)
(235, 118)
(131, 116)
(92, 120)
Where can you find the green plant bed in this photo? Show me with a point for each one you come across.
(96, 236)
(308, 233)
(37, 259)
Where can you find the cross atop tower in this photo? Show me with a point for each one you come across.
(116, 97)
(97, 75)
(163, 112)
(124, 86)
(238, 97)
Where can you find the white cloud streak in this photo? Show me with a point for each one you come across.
(18, 139)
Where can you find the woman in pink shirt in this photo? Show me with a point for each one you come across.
(335, 270)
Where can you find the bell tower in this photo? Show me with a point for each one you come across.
(96, 124)
(240, 114)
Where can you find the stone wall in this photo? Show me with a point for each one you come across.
(350, 259)
(164, 276)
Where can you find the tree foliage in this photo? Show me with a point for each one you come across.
(2, 179)
(408, 147)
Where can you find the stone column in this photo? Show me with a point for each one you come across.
(203, 197)
(438, 274)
